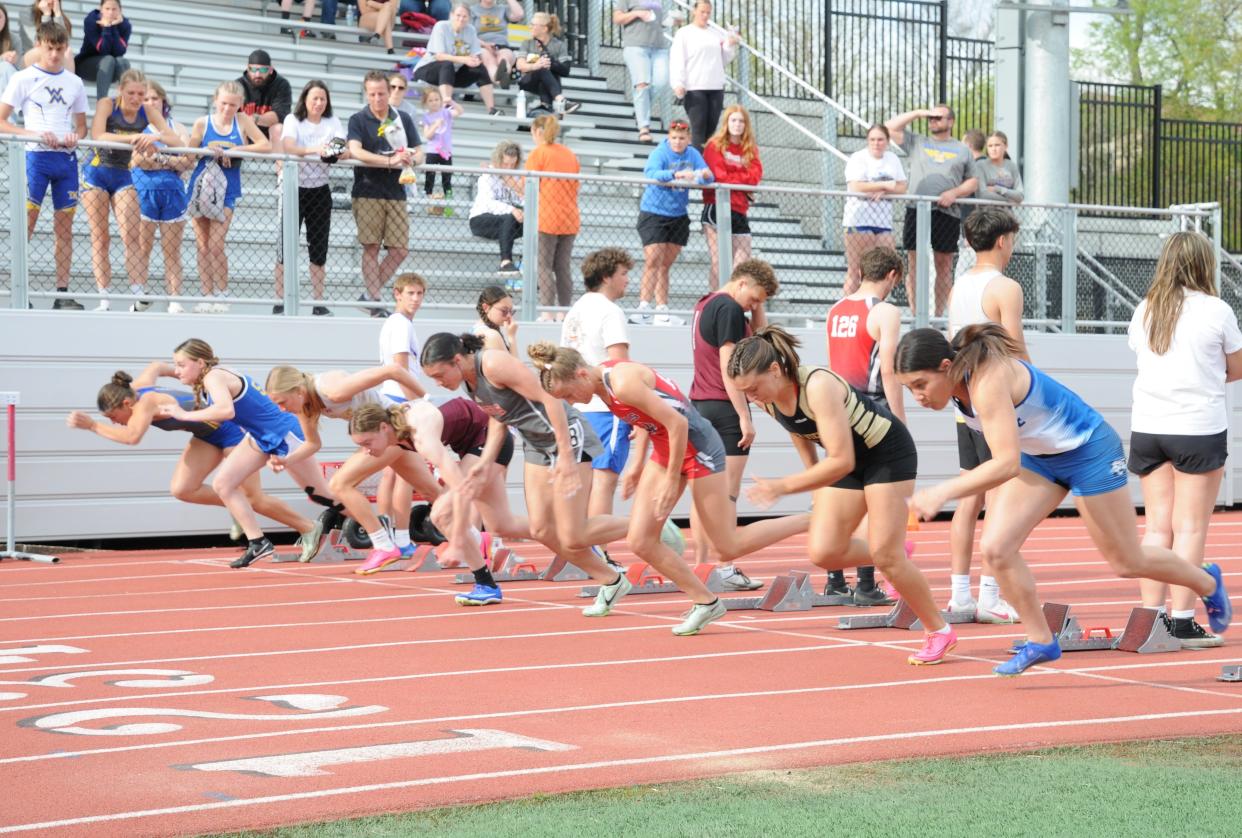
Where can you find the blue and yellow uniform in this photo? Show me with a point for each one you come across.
(220, 434)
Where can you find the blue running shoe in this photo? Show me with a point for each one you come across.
(480, 595)
(1029, 655)
(1219, 609)
(408, 551)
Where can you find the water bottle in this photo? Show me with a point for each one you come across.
(351, 15)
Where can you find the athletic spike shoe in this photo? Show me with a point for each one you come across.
(831, 589)
(1193, 635)
(260, 549)
(1219, 608)
(310, 542)
(601, 553)
(377, 560)
(935, 647)
(956, 607)
(608, 596)
(871, 596)
(999, 613)
(739, 581)
(697, 618)
(480, 595)
(1027, 655)
(408, 551)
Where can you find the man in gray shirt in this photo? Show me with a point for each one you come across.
(940, 166)
(646, 54)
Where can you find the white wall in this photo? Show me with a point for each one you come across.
(74, 484)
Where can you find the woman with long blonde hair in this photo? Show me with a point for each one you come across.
(733, 157)
(1188, 346)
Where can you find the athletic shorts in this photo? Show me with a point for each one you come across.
(945, 231)
(107, 178)
(654, 228)
(506, 451)
(57, 169)
(614, 435)
(705, 453)
(162, 205)
(283, 437)
(227, 435)
(585, 443)
(739, 221)
(720, 414)
(1096, 467)
(1188, 454)
(862, 228)
(894, 459)
(972, 448)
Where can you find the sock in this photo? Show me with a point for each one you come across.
(989, 591)
(836, 578)
(401, 538)
(945, 629)
(1184, 615)
(961, 587)
(483, 576)
(866, 578)
(380, 540)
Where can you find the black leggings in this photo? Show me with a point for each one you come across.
(703, 107)
(543, 83)
(503, 228)
(458, 75)
(446, 178)
(315, 211)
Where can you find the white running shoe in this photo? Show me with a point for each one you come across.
(1000, 613)
(176, 308)
(140, 305)
(104, 305)
(642, 314)
(608, 596)
(204, 308)
(663, 318)
(698, 617)
(956, 607)
(220, 308)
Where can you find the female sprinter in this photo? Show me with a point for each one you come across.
(460, 427)
(556, 444)
(1045, 441)
(337, 394)
(269, 434)
(134, 405)
(868, 470)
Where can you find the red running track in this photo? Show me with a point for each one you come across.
(161, 692)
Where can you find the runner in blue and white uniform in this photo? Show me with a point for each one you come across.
(1045, 441)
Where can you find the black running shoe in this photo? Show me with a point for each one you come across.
(260, 549)
(871, 596)
(67, 303)
(332, 518)
(1194, 636)
(837, 590)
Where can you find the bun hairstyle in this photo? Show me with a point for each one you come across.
(555, 364)
(769, 345)
(973, 348)
(113, 394)
(287, 380)
(198, 350)
(369, 417)
(445, 346)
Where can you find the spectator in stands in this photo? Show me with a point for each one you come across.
(312, 131)
(268, 96)
(544, 62)
(663, 223)
(397, 87)
(454, 58)
(44, 11)
(385, 141)
(226, 128)
(438, 9)
(874, 171)
(646, 54)
(733, 157)
(380, 16)
(998, 176)
(105, 38)
(437, 125)
(497, 325)
(939, 166)
(12, 47)
(975, 140)
(308, 12)
(162, 198)
(697, 69)
(108, 184)
(59, 117)
(559, 220)
(497, 210)
(491, 19)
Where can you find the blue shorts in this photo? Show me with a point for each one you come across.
(226, 436)
(1096, 467)
(108, 179)
(285, 435)
(162, 204)
(615, 435)
(58, 169)
(862, 228)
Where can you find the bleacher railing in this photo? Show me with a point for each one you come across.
(1082, 267)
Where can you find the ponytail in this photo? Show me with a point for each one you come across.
(976, 346)
(555, 364)
(113, 394)
(445, 346)
(367, 418)
(769, 345)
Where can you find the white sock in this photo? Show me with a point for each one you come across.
(380, 540)
(989, 591)
(1184, 615)
(945, 629)
(402, 539)
(960, 585)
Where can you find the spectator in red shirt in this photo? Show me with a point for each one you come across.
(559, 220)
(733, 157)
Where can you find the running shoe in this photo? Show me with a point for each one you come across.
(1193, 635)
(998, 613)
(176, 308)
(871, 596)
(1027, 655)
(331, 519)
(833, 588)
(104, 305)
(256, 550)
(600, 552)
(310, 542)
(935, 646)
(1219, 608)
(377, 560)
(739, 581)
(956, 607)
(608, 596)
(67, 304)
(407, 551)
(140, 305)
(480, 595)
(697, 618)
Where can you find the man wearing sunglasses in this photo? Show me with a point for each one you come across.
(269, 99)
(939, 166)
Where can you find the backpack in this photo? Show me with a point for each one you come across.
(207, 195)
(416, 22)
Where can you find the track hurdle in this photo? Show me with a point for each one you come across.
(10, 400)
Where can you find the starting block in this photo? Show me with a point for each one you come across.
(1230, 672)
(789, 592)
(902, 617)
(1145, 633)
(647, 581)
(507, 567)
(336, 549)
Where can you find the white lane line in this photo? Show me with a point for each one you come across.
(619, 763)
(307, 581)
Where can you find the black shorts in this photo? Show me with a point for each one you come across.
(893, 460)
(972, 448)
(1188, 454)
(740, 221)
(720, 415)
(506, 451)
(654, 228)
(945, 231)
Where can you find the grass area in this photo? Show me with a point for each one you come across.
(1131, 789)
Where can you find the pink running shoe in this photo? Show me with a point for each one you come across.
(935, 647)
(377, 560)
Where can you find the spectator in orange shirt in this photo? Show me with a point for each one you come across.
(733, 157)
(558, 214)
